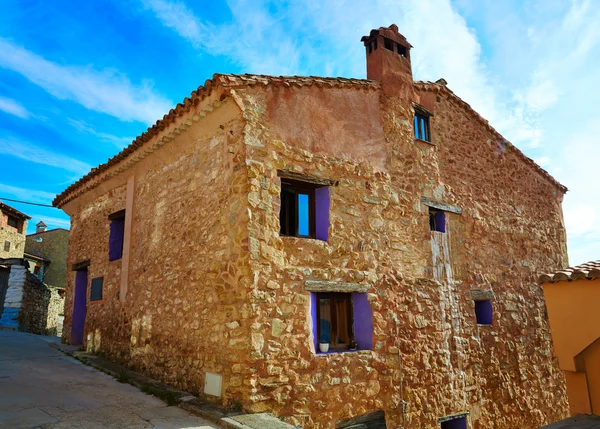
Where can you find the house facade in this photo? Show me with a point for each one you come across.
(383, 218)
(13, 225)
(46, 251)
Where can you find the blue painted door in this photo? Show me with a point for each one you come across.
(79, 307)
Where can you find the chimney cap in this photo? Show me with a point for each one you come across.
(390, 32)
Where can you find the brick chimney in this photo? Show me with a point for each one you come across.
(40, 227)
(388, 60)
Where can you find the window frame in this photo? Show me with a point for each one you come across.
(295, 188)
(348, 297)
(424, 115)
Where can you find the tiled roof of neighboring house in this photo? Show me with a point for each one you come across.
(8, 209)
(47, 231)
(228, 82)
(32, 256)
(589, 270)
(440, 86)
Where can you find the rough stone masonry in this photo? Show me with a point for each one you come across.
(207, 286)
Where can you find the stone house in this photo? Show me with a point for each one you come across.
(13, 225)
(383, 217)
(46, 251)
(572, 296)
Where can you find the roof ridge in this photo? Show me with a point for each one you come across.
(440, 87)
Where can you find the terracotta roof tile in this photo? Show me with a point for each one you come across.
(13, 211)
(224, 81)
(589, 270)
(440, 86)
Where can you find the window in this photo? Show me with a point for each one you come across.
(484, 312)
(7, 246)
(437, 220)
(304, 209)
(456, 423)
(36, 270)
(117, 232)
(96, 290)
(421, 125)
(343, 320)
(13, 221)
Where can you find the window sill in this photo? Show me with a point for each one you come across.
(339, 352)
(295, 237)
(115, 260)
(424, 141)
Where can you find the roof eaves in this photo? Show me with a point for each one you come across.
(589, 270)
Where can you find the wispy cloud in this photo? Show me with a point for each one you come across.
(83, 127)
(107, 91)
(50, 221)
(10, 106)
(24, 194)
(39, 155)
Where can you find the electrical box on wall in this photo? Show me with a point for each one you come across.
(212, 384)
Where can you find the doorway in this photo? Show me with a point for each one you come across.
(79, 306)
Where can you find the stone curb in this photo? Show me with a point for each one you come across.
(151, 386)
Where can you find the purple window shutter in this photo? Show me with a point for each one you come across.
(313, 318)
(363, 321)
(115, 241)
(322, 203)
(484, 312)
(440, 221)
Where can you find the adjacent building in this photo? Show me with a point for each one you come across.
(13, 225)
(326, 249)
(46, 251)
(572, 297)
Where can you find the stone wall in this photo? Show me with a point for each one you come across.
(16, 240)
(56, 308)
(419, 282)
(33, 316)
(14, 296)
(188, 259)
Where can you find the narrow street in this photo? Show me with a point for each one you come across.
(42, 388)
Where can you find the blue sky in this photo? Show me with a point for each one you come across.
(79, 80)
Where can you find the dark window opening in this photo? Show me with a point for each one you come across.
(13, 221)
(458, 423)
(304, 209)
(388, 44)
(334, 313)
(96, 289)
(401, 50)
(437, 220)
(7, 246)
(484, 312)
(117, 233)
(421, 126)
(36, 270)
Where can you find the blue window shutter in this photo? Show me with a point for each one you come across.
(322, 205)
(440, 221)
(363, 321)
(484, 312)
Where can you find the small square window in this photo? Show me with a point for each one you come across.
(484, 312)
(342, 320)
(96, 289)
(304, 209)
(7, 246)
(117, 233)
(13, 221)
(437, 220)
(421, 126)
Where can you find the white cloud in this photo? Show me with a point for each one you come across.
(35, 154)
(106, 91)
(83, 127)
(9, 105)
(51, 221)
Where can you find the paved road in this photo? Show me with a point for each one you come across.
(42, 388)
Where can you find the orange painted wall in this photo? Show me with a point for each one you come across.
(577, 390)
(575, 325)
